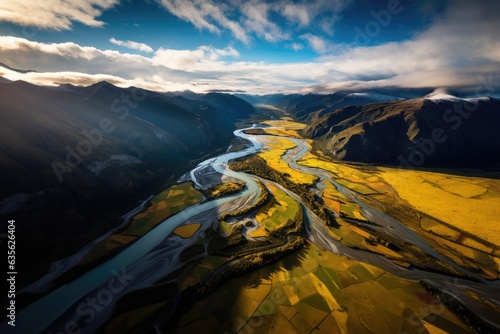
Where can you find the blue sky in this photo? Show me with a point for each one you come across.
(257, 46)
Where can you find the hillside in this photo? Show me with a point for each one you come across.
(73, 159)
(418, 132)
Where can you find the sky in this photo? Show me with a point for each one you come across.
(255, 46)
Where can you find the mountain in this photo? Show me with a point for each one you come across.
(438, 130)
(312, 106)
(73, 158)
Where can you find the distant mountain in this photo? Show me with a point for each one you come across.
(72, 156)
(252, 99)
(439, 130)
(312, 106)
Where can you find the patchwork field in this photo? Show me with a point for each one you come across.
(186, 231)
(228, 288)
(463, 202)
(165, 204)
(277, 213)
(319, 292)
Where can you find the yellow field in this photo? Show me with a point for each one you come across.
(464, 202)
(341, 171)
(319, 292)
(286, 123)
(278, 147)
(331, 197)
(470, 204)
(170, 201)
(277, 214)
(282, 132)
(187, 231)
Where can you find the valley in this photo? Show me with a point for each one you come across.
(308, 244)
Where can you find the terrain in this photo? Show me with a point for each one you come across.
(449, 132)
(73, 159)
(295, 227)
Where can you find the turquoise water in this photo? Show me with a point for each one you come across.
(40, 314)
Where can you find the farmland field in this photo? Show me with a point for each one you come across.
(276, 148)
(168, 202)
(322, 291)
(464, 202)
(276, 213)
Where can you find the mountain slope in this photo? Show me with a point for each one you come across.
(417, 132)
(310, 107)
(72, 159)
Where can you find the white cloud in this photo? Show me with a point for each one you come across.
(190, 60)
(296, 46)
(256, 20)
(468, 57)
(132, 45)
(256, 17)
(297, 13)
(318, 44)
(205, 14)
(54, 14)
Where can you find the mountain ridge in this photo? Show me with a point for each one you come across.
(414, 133)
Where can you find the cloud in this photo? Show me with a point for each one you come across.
(318, 44)
(272, 21)
(298, 13)
(54, 14)
(190, 60)
(132, 45)
(205, 14)
(295, 46)
(461, 51)
(256, 20)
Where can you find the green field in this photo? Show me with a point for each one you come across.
(165, 204)
(277, 213)
(318, 292)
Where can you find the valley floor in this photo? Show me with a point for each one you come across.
(310, 245)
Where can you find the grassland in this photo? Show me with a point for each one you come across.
(451, 207)
(286, 123)
(186, 231)
(347, 175)
(469, 204)
(224, 189)
(165, 204)
(276, 148)
(319, 292)
(276, 214)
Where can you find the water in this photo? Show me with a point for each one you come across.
(40, 314)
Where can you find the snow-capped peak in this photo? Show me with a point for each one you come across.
(439, 95)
